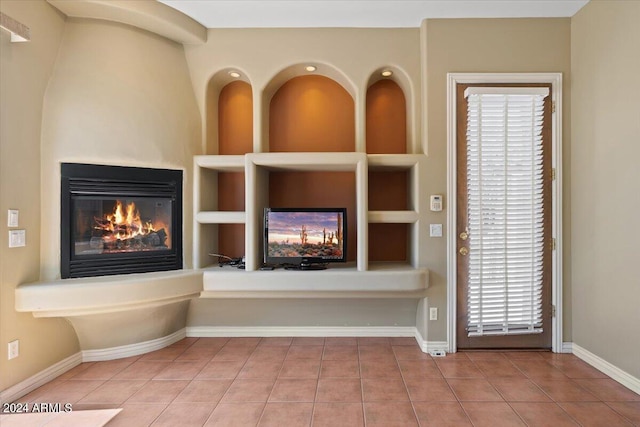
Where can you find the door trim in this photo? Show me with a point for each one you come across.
(555, 79)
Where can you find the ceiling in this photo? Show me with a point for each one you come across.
(361, 13)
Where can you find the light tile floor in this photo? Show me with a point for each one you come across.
(289, 382)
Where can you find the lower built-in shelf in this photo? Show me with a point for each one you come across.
(382, 280)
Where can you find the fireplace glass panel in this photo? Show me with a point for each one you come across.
(122, 225)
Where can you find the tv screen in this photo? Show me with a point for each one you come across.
(304, 236)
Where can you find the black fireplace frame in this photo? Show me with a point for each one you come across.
(82, 180)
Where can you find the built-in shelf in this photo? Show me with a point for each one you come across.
(393, 217)
(377, 162)
(382, 280)
(229, 163)
(325, 162)
(220, 217)
(256, 168)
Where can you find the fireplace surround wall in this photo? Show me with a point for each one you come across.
(119, 220)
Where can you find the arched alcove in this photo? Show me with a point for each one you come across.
(235, 118)
(386, 124)
(231, 89)
(390, 105)
(291, 73)
(311, 114)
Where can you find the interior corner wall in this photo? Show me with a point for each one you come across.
(24, 73)
(489, 46)
(605, 181)
(118, 96)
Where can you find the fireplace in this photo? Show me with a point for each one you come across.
(119, 220)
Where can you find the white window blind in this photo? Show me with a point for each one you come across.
(505, 210)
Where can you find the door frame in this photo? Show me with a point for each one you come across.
(555, 79)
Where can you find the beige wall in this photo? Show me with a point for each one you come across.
(118, 96)
(490, 46)
(25, 70)
(605, 41)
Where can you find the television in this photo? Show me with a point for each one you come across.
(305, 238)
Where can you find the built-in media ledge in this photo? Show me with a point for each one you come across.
(382, 280)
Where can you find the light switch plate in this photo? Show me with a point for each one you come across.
(12, 218)
(435, 230)
(17, 238)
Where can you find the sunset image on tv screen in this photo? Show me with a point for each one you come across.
(305, 234)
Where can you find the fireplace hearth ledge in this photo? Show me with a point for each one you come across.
(107, 294)
(115, 311)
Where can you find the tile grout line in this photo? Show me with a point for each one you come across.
(240, 370)
(315, 396)
(364, 415)
(619, 413)
(175, 397)
(532, 380)
(406, 387)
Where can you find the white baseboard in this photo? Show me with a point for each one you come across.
(41, 378)
(607, 368)
(301, 331)
(317, 331)
(567, 347)
(57, 369)
(132, 349)
(424, 345)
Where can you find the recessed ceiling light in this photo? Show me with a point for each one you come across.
(386, 73)
(234, 74)
(310, 68)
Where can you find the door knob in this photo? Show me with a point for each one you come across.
(463, 251)
(464, 235)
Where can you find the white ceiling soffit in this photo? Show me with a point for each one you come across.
(361, 13)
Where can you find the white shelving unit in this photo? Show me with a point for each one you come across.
(362, 279)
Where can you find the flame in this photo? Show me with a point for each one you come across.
(125, 226)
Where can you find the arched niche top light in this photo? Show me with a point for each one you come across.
(223, 77)
(394, 73)
(300, 69)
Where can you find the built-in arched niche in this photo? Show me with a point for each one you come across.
(229, 113)
(309, 107)
(229, 131)
(388, 110)
(386, 133)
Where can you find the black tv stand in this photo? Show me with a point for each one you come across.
(306, 266)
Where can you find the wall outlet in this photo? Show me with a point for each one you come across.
(435, 230)
(433, 313)
(13, 349)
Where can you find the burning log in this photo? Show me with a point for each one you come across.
(121, 231)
